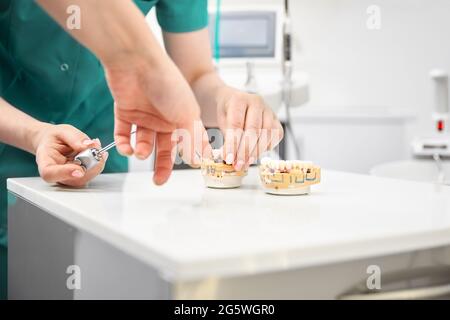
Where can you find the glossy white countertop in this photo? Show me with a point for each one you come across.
(188, 231)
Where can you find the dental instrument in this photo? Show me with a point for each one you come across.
(89, 158)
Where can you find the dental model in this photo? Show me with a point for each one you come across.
(291, 177)
(218, 174)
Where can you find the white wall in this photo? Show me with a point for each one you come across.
(350, 65)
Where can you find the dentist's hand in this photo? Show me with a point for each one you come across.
(55, 147)
(249, 126)
(158, 100)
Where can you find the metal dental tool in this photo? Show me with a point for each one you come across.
(89, 158)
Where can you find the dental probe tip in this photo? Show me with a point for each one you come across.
(112, 144)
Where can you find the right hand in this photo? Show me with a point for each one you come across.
(158, 100)
(55, 147)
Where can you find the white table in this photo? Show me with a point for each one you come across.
(132, 239)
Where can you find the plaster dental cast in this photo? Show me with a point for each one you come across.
(63, 91)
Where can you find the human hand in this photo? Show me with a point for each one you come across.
(55, 147)
(249, 126)
(158, 100)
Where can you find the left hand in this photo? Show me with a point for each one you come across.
(55, 146)
(249, 126)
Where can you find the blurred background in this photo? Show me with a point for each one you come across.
(367, 78)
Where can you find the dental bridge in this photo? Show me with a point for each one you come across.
(290, 177)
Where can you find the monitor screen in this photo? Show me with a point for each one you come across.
(245, 34)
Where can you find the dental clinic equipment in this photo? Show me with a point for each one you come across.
(251, 85)
(217, 33)
(440, 115)
(252, 51)
(437, 146)
(89, 158)
(287, 76)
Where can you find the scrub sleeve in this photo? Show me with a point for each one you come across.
(48, 75)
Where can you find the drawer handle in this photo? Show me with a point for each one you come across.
(405, 294)
(440, 274)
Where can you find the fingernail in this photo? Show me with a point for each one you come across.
(97, 140)
(229, 158)
(239, 165)
(122, 152)
(105, 155)
(77, 174)
(88, 142)
(139, 156)
(251, 160)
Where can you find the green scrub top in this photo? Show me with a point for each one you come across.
(50, 76)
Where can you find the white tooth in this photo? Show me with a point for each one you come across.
(217, 154)
(288, 165)
(307, 163)
(292, 164)
(282, 165)
(265, 161)
(272, 164)
(277, 165)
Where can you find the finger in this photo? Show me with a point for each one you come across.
(164, 158)
(53, 166)
(74, 138)
(201, 146)
(122, 133)
(249, 140)
(265, 137)
(89, 175)
(147, 120)
(277, 134)
(95, 144)
(234, 131)
(193, 143)
(145, 140)
(58, 172)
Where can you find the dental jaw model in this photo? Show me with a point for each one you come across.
(218, 174)
(290, 177)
